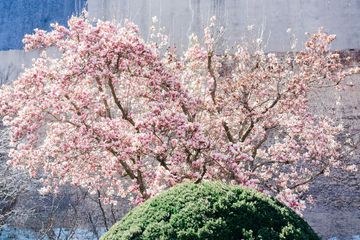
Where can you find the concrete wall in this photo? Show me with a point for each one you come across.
(336, 212)
(182, 17)
(20, 17)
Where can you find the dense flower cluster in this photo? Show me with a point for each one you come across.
(118, 114)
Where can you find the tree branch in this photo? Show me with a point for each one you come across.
(228, 133)
(248, 130)
(308, 180)
(125, 114)
(106, 105)
(212, 74)
(102, 210)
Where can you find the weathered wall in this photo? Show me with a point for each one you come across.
(336, 211)
(20, 17)
(183, 17)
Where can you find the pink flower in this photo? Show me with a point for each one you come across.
(118, 113)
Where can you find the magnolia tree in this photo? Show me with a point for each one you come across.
(119, 114)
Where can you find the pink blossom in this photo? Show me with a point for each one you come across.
(116, 113)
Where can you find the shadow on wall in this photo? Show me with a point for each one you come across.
(20, 17)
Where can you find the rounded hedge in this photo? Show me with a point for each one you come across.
(210, 211)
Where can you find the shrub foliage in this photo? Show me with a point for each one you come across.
(211, 211)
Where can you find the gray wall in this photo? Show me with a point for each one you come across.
(182, 17)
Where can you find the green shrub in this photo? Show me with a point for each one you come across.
(210, 211)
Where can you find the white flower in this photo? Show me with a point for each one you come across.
(155, 19)
(352, 168)
(250, 27)
(44, 190)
